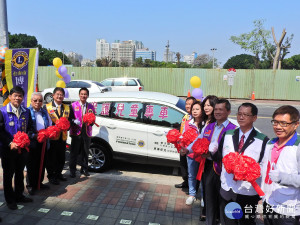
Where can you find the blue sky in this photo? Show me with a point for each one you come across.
(75, 25)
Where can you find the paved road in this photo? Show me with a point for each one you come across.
(265, 112)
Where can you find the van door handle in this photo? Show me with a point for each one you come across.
(158, 133)
(111, 126)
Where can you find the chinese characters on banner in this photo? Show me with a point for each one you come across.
(134, 108)
(105, 109)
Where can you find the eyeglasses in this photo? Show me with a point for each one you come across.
(37, 100)
(281, 123)
(243, 114)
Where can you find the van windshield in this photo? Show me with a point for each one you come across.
(181, 104)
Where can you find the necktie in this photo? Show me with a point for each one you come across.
(82, 109)
(17, 113)
(241, 144)
(59, 110)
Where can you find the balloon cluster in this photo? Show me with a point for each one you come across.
(3, 49)
(197, 93)
(62, 73)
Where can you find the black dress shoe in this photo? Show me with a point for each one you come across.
(54, 181)
(62, 178)
(12, 206)
(24, 200)
(85, 173)
(72, 174)
(31, 190)
(202, 218)
(182, 185)
(44, 186)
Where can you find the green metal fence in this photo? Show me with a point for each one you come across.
(266, 84)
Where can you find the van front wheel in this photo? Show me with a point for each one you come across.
(99, 158)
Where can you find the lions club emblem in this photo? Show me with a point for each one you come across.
(19, 60)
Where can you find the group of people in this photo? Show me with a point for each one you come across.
(14, 117)
(278, 158)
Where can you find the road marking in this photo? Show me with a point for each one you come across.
(1, 203)
(92, 217)
(66, 213)
(43, 210)
(153, 224)
(20, 206)
(122, 221)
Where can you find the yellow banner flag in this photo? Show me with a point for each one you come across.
(21, 70)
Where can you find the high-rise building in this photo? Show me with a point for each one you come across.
(190, 59)
(127, 52)
(73, 56)
(114, 51)
(137, 44)
(102, 48)
(169, 56)
(145, 54)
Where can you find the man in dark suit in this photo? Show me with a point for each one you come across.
(56, 154)
(81, 133)
(247, 141)
(14, 118)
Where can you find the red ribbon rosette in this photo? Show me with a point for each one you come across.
(173, 138)
(22, 140)
(42, 135)
(188, 137)
(53, 132)
(63, 124)
(243, 168)
(199, 148)
(90, 118)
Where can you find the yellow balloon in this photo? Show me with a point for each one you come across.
(57, 62)
(195, 82)
(57, 74)
(61, 84)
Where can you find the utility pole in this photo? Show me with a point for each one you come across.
(213, 52)
(167, 52)
(3, 24)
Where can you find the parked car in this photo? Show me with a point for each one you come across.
(124, 84)
(73, 88)
(133, 127)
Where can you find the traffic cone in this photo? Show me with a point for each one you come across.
(189, 93)
(253, 96)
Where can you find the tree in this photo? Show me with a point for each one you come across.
(204, 61)
(292, 63)
(27, 41)
(103, 62)
(147, 63)
(138, 62)
(281, 50)
(178, 56)
(124, 63)
(242, 61)
(114, 64)
(255, 41)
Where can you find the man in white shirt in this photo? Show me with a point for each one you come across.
(247, 141)
(36, 163)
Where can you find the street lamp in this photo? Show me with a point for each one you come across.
(213, 52)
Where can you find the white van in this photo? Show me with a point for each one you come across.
(133, 127)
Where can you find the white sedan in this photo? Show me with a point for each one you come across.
(73, 88)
